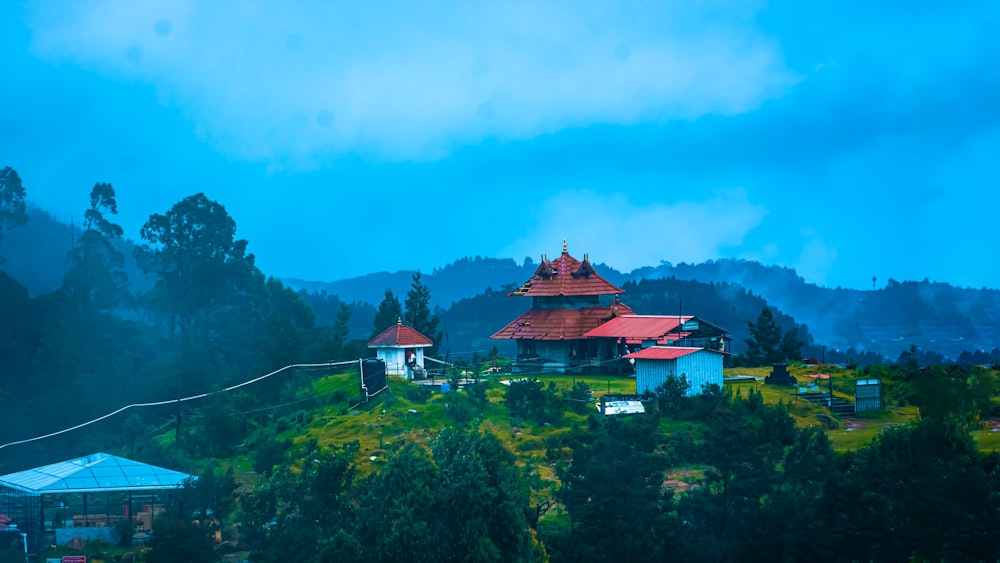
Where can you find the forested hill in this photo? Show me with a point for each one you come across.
(887, 320)
(462, 278)
(37, 253)
(934, 316)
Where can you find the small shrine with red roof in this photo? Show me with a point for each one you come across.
(565, 305)
(401, 347)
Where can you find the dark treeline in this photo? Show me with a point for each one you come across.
(209, 318)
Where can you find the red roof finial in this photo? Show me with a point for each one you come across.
(399, 320)
(564, 246)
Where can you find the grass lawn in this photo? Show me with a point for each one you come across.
(391, 418)
(864, 427)
(987, 439)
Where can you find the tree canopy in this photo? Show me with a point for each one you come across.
(200, 263)
(12, 209)
(389, 312)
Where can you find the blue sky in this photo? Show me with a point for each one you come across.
(842, 139)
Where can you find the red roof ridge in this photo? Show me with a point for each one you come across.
(667, 352)
(400, 335)
(566, 276)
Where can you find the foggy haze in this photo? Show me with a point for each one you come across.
(842, 140)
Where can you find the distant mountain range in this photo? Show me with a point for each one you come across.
(471, 297)
(933, 316)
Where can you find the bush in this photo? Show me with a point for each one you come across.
(268, 453)
(124, 529)
(418, 393)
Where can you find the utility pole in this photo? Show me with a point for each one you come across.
(177, 425)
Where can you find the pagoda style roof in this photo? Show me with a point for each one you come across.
(559, 324)
(566, 276)
(400, 336)
(98, 472)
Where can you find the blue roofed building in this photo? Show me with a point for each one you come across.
(86, 497)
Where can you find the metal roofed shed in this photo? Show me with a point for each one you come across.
(654, 365)
(85, 497)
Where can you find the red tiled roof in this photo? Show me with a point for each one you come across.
(402, 336)
(666, 352)
(639, 327)
(566, 276)
(558, 324)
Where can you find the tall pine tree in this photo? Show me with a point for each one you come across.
(418, 312)
(12, 208)
(764, 344)
(389, 311)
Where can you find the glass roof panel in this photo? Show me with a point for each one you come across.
(96, 472)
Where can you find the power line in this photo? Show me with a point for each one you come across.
(173, 401)
(260, 409)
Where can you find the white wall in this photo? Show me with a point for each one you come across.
(395, 360)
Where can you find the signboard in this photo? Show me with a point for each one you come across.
(74, 559)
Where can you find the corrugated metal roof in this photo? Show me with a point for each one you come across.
(666, 352)
(95, 472)
(639, 327)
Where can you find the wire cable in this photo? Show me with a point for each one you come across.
(174, 401)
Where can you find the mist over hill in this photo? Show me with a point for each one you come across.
(470, 295)
(887, 320)
(37, 254)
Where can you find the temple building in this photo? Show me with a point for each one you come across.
(578, 323)
(566, 304)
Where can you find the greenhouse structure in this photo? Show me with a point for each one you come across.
(99, 496)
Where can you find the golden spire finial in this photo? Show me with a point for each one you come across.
(564, 246)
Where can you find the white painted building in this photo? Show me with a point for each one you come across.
(402, 349)
(699, 365)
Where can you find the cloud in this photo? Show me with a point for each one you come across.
(628, 234)
(816, 260)
(295, 83)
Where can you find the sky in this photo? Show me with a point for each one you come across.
(843, 139)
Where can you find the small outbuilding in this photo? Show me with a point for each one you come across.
(700, 366)
(401, 347)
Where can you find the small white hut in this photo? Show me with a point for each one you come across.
(401, 347)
